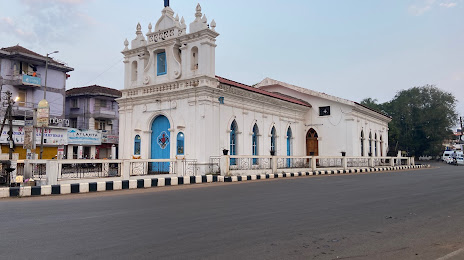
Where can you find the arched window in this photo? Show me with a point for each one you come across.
(137, 143)
(161, 64)
(233, 141)
(254, 143)
(375, 144)
(362, 143)
(180, 143)
(194, 58)
(134, 72)
(370, 144)
(289, 145)
(273, 139)
(381, 146)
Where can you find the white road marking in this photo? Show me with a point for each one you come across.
(453, 254)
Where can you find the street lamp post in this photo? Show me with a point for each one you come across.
(45, 101)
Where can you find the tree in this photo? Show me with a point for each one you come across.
(422, 118)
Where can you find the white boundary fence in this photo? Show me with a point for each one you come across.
(248, 164)
(52, 172)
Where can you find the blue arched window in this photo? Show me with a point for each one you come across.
(180, 143)
(161, 64)
(289, 145)
(273, 139)
(233, 141)
(362, 143)
(375, 144)
(254, 143)
(137, 142)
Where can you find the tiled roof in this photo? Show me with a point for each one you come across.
(93, 90)
(379, 112)
(263, 92)
(21, 50)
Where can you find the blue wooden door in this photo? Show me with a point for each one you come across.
(289, 146)
(160, 144)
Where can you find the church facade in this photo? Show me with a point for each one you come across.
(174, 106)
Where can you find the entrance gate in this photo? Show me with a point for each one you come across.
(160, 144)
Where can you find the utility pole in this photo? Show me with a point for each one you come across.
(45, 105)
(10, 124)
(460, 138)
(8, 113)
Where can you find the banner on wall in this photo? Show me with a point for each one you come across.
(52, 136)
(110, 139)
(84, 137)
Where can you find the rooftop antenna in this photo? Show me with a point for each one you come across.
(166, 3)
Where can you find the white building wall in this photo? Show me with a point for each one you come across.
(189, 99)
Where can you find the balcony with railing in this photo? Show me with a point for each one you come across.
(26, 80)
(104, 112)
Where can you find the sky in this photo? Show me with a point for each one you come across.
(352, 49)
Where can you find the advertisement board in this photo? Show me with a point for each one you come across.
(110, 139)
(52, 136)
(43, 113)
(84, 137)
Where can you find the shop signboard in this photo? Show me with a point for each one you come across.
(52, 136)
(110, 139)
(43, 113)
(28, 137)
(84, 137)
(30, 80)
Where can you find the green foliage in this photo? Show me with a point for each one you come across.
(422, 119)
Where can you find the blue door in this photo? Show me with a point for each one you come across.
(160, 144)
(289, 146)
(233, 142)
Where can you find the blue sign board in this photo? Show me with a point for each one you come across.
(29, 80)
(84, 137)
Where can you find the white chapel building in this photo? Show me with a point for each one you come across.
(173, 105)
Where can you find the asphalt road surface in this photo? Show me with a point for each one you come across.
(415, 214)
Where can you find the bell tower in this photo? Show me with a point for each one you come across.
(168, 53)
(199, 48)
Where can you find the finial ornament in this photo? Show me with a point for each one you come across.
(126, 44)
(198, 11)
(150, 27)
(213, 25)
(138, 29)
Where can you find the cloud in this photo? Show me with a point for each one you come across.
(9, 27)
(47, 21)
(421, 7)
(448, 5)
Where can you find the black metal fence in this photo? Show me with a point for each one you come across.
(152, 168)
(90, 170)
(5, 172)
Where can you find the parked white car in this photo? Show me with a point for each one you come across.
(446, 155)
(460, 160)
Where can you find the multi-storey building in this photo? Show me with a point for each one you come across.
(95, 110)
(23, 74)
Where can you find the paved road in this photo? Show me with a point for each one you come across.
(416, 214)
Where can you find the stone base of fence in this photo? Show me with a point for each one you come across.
(74, 188)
